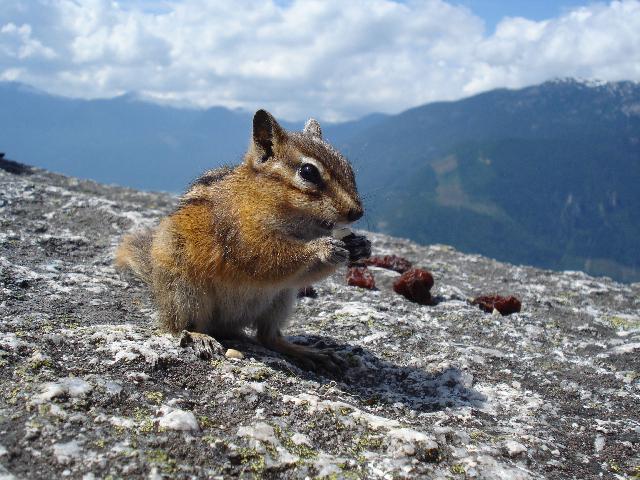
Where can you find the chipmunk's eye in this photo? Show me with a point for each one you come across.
(310, 173)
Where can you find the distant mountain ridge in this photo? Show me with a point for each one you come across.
(127, 140)
(546, 175)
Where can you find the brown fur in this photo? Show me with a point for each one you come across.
(243, 240)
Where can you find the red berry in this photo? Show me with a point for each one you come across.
(360, 277)
(415, 284)
(505, 305)
(391, 262)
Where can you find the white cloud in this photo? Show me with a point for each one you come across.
(329, 58)
(16, 43)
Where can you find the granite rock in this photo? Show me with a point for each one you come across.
(90, 388)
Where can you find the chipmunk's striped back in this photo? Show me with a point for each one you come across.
(242, 240)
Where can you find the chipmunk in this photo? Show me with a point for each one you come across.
(243, 240)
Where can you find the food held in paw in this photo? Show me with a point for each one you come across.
(415, 285)
(360, 277)
(390, 262)
(505, 305)
(359, 247)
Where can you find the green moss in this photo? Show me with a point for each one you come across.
(216, 363)
(371, 321)
(38, 364)
(347, 472)
(477, 435)
(147, 426)
(12, 398)
(162, 459)
(144, 418)
(367, 442)
(624, 323)
(253, 460)
(69, 322)
(155, 397)
(303, 451)
(140, 413)
(205, 422)
(457, 469)
(259, 375)
(44, 409)
(271, 449)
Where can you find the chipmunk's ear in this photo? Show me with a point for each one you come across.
(312, 128)
(267, 133)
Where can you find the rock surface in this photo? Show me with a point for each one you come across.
(89, 388)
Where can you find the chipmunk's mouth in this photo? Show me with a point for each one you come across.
(308, 228)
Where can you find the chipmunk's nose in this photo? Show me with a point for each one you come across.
(355, 214)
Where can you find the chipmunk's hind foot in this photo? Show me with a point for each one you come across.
(319, 361)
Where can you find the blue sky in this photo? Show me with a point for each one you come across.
(332, 59)
(492, 11)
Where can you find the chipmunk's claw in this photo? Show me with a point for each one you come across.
(204, 346)
(313, 359)
(324, 361)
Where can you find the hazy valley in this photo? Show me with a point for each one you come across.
(546, 175)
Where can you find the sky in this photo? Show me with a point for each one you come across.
(331, 59)
(492, 11)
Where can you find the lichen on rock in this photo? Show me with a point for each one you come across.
(90, 388)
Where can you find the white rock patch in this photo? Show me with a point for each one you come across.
(72, 386)
(67, 452)
(176, 419)
(260, 431)
(513, 448)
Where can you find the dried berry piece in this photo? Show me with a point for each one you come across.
(415, 284)
(505, 305)
(360, 277)
(358, 246)
(307, 292)
(391, 262)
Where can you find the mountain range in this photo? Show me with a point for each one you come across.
(128, 141)
(547, 175)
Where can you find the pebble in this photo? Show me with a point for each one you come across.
(599, 443)
(513, 448)
(175, 419)
(231, 353)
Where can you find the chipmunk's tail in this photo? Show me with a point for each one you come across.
(134, 253)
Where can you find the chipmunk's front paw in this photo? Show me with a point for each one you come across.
(332, 251)
(204, 346)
